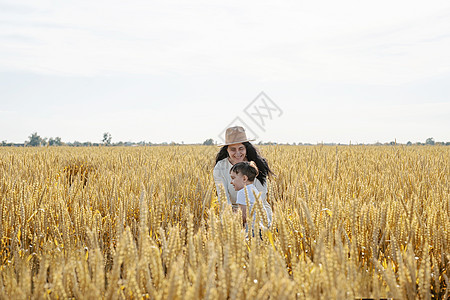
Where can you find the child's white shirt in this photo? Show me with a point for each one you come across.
(240, 199)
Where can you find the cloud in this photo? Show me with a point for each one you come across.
(350, 41)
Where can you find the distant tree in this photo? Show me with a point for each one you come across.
(107, 138)
(409, 143)
(208, 142)
(430, 141)
(35, 140)
(55, 141)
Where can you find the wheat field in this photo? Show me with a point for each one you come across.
(145, 223)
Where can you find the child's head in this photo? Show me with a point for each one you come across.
(243, 173)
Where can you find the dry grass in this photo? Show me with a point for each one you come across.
(349, 222)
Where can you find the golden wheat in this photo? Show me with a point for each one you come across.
(145, 222)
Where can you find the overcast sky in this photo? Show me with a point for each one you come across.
(333, 71)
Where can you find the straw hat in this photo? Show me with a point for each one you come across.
(235, 135)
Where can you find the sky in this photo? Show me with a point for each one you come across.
(183, 71)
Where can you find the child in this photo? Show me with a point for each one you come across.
(243, 175)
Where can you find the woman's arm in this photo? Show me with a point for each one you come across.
(219, 181)
(261, 188)
(267, 206)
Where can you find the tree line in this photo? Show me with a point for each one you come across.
(35, 140)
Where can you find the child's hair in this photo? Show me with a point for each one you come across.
(248, 169)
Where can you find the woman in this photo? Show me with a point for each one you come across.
(237, 148)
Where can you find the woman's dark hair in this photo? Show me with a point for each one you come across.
(246, 168)
(252, 154)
